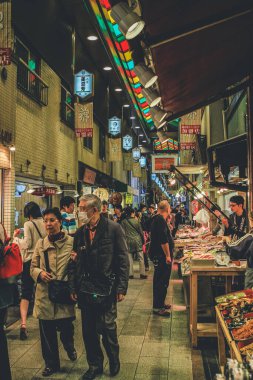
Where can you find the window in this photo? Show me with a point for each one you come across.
(28, 74)
(102, 144)
(67, 107)
(87, 143)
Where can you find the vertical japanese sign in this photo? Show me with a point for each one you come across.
(114, 126)
(127, 161)
(115, 152)
(136, 169)
(190, 127)
(83, 84)
(6, 34)
(84, 120)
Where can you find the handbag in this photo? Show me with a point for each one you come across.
(58, 290)
(96, 292)
(11, 264)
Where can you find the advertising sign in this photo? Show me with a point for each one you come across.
(161, 163)
(127, 161)
(127, 142)
(114, 126)
(143, 161)
(89, 176)
(190, 129)
(84, 120)
(83, 84)
(136, 169)
(129, 199)
(188, 145)
(115, 152)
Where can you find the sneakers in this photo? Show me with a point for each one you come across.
(23, 333)
(162, 312)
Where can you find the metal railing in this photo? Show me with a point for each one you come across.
(31, 83)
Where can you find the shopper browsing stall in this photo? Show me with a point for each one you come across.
(237, 225)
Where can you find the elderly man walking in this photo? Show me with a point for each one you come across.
(98, 280)
(161, 253)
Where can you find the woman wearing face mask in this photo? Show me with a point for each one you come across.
(53, 317)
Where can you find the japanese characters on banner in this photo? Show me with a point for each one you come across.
(127, 142)
(6, 33)
(83, 84)
(114, 126)
(84, 120)
(127, 161)
(115, 152)
(136, 169)
(188, 145)
(136, 154)
(129, 199)
(161, 163)
(190, 127)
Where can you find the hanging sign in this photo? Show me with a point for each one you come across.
(190, 129)
(115, 152)
(114, 126)
(127, 142)
(83, 84)
(127, 161)
(136, 169)
(6, 33)
(136, 154)
(44, 191)
(187, 145)
(129, 199)
(162, 163)
(84, 120)
(143, 161)
(89, 176)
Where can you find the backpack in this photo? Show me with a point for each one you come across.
(11, 264)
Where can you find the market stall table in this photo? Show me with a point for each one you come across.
(222, 335)
(207, 329)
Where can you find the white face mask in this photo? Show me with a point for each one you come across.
(83, 217)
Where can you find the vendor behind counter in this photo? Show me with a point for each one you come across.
(243, 249)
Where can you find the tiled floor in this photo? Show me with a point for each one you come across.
(151, 347)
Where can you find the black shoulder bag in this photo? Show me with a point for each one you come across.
(58, 290)
(141, 236)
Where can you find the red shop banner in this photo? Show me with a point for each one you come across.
(84, 132)
(44, 190)
(190, 129)
(188, 145)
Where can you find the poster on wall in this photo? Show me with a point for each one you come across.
(115, 152)
(129, 199)
(89, 176)
(84, 120)
(161, 163)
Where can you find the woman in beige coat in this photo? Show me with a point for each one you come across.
(53, 317)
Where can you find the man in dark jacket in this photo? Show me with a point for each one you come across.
(101, 265)
(161, 253)
(238, 224)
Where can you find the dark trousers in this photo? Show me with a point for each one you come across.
(94, 324)
(5, 372)
(49, 341)
(160, 282)
(146, 263)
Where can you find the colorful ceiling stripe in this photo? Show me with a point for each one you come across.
(123, 60)
(169, 144)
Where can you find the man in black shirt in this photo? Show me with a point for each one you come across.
(237, 225)
(161, 251)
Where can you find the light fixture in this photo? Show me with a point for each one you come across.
(144, 141)
(153, 98)
(12, 148)
(158, 115)
(118, 89)
(126, 105)
(159, 126)
(162, 136)
(30, 189)
(140, 145)
(130, 24)
(137, 127)
(92, 38)
(147, 76)
(107, 68)
(141, 135)
(132, 117)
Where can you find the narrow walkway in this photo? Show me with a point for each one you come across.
(151, 347)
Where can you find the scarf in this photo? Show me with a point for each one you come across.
(55, 237)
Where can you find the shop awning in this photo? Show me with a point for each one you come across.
(192, 169)
(199, 49)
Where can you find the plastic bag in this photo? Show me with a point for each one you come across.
(202, 217)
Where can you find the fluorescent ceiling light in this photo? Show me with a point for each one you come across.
(92, 38)
(107, 68)
(118, 89)
(132, 117)
(126, 105)
(152, 97)
(137, 127)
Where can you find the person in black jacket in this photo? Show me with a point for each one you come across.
(99, 271)
(238, 223)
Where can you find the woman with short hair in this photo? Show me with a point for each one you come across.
(53, 317)
(34, 229)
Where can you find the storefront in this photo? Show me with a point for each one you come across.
(44, 193)
(6, 193)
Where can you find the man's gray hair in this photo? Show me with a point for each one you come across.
(92, 201)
